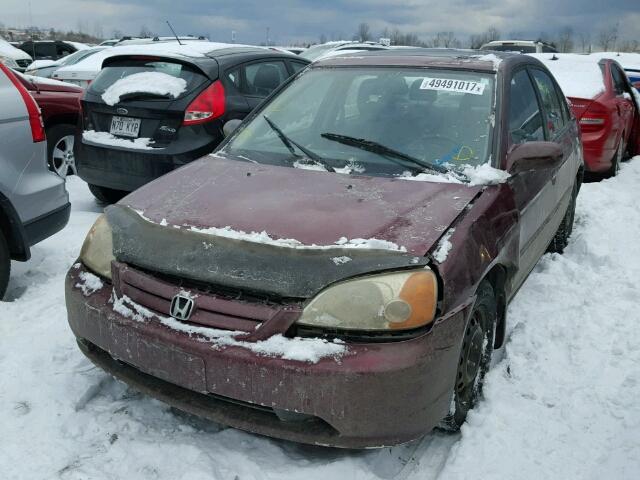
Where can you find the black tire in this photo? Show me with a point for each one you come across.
(561, 238)
(63, 162)
(106, 195)
(475, 357)
(5, 266)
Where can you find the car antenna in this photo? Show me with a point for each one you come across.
(174, 33)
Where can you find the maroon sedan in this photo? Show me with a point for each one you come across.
(59, 103)
(338, 272)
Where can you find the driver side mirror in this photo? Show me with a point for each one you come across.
(231, 127)
(528, 156)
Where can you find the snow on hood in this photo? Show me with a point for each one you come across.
(8, 50)
(579, 76)
(325, 210)
(157, 83)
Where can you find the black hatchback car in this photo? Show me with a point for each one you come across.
(148, 113)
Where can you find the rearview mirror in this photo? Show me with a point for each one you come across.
(534, 156)
(230, 126)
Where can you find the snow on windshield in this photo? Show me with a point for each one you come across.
(155, 83)
(579, 76)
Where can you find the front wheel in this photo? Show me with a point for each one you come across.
(475, 357)
(5, 265)
(106, 195)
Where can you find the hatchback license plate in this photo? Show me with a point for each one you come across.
(125, 126)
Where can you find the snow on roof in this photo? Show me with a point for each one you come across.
(579, 76)
(157, 83)
(77, 45)
(188, 48)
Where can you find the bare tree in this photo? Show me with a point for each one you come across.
(444, 39)
(145, 32)
(565, 40)
(364, 32)
(629, 46)
(608, 37)
(585, 41)
(323, 38)
(489, 35)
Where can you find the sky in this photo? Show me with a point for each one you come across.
(291, 21)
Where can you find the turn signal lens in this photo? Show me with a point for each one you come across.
(97, 250)
(391, 301)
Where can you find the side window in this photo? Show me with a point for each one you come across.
(262, 78)
(45, 50)
(63, 50)
(297, 66)
(618, 80)
(550, 101)
(525, 119)
(235, 79)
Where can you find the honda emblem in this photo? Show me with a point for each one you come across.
(181, 307)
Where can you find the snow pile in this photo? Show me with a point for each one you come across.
(155, 83)
(579, 76)
(341, 260)
(89, 283)
(485, 174)
(310, 350)
(105, 138)
(444, 247)
(489, 57)
(350, 167)
(309, 166)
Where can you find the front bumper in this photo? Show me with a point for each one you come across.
(376, 394)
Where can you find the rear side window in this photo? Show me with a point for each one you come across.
(262, 78)
(525, 119)
(45, 50)
(115, 71)
(550, 101)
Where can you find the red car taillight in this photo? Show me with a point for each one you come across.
(594, 117)
(35, 117)
(209, 105)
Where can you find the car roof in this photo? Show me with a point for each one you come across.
(423, 57)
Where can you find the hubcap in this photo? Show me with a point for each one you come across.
(63, 160)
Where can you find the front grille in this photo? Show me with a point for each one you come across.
(211, 310)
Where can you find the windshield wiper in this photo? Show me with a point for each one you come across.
(378, 148)
(289, 143)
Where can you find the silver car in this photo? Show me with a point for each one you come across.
(34, 203)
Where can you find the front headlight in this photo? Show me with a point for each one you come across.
(97, 250)
(391, 301)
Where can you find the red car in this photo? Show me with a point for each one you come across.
(602, 99)
(59, 103)
(339, 271)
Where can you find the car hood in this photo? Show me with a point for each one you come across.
(297, 218)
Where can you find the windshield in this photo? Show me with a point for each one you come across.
(124, 68)
(384, 122)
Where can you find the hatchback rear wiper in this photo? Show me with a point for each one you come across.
(135, 95)
(289, 143)
(378, 148)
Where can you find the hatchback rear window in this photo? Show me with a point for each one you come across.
(118, 70)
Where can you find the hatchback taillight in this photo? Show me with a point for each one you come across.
(594, 118)
(207, 106)
(35, 117)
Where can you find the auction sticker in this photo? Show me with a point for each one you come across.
(449, 85)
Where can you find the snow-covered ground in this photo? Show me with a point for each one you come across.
(562, 403)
